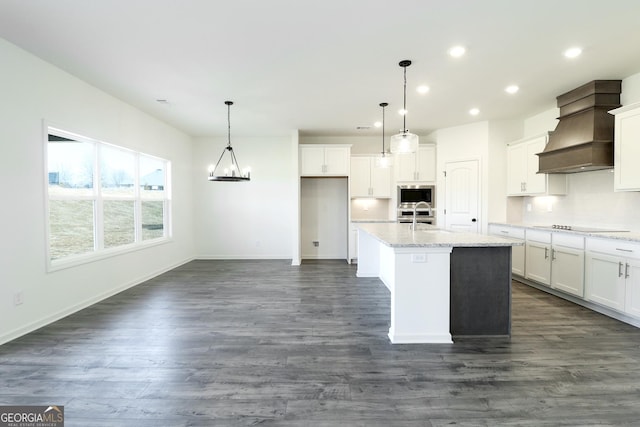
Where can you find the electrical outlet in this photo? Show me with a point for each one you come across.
(18, 298)
(316, 243)
(418, 257)
(528, 207)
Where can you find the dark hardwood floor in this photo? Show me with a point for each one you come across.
(260, 342)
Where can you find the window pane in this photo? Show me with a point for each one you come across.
(152, 178)
(71, 227)
(70, 167)
(119, 224)
(117, 169)
(152, 220)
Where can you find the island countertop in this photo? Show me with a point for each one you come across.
(397, 235)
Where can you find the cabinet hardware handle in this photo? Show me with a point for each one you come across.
(626, 270)
(546, 253)
(619, 269)
(624, 250)
(553, 254)
(504, 232)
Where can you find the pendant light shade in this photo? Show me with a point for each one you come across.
(227, 168)
(404, 141)
(384, 160)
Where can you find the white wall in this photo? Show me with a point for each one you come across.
(359, 144)
(324, 217)
(246, 220)
(468, 142)
(33, 91)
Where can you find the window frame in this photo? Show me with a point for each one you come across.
(98, 198)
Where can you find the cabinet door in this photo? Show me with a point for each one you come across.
(604, 280)
(426, 163)
(380, 180)
(360, 177)
(535, 182)
(632, 273)
(517, 260)
(336, 161)
(311, 161)
(538, 265)
(567, 270)
(405, 164)
(516, 169)
(627, 151)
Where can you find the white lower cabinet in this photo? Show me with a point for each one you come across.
(613, 275)
(538, 256)
(517, 252)
(555, 260)
(567, 263)
(632, 294)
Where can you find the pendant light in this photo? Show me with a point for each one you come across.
(230, 170)
(404, 141)
(384, 160)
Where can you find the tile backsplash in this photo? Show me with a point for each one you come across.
(590, 201)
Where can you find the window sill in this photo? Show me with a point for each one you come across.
(77, 260)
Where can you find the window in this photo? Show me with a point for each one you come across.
(102, 198)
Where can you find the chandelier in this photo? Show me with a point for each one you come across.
(229, 170)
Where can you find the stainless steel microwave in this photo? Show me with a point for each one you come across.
(409, 195)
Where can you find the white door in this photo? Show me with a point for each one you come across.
(462, 187)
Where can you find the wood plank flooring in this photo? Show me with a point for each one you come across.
(216, 343)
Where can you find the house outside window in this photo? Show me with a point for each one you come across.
(102, 199)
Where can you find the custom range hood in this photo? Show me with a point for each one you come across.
(583, 138)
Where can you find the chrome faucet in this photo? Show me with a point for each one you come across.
(415, 208)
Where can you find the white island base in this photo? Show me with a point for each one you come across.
(419, 281)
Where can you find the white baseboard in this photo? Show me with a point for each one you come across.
(16, 333)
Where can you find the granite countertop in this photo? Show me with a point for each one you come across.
(399, 235)
(630, 236)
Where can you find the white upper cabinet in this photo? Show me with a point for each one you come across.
(367, 180)
(627, 148)
(419, 166)
(523, 178)
(324, 160)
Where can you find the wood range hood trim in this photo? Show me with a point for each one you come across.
(583, 138)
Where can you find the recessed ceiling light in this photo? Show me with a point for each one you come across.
(573, 52)
(474, 111)
(378, 124)
(457, 51)
(423, 89)
(512, 89)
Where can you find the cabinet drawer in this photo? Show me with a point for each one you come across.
(613, 247)
(500, 230)
(568, 240)
(538, 236)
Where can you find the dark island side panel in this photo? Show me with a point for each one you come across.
(481, 291)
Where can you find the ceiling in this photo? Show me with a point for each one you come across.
(323, 67)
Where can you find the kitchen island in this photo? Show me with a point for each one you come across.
(442, 283)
